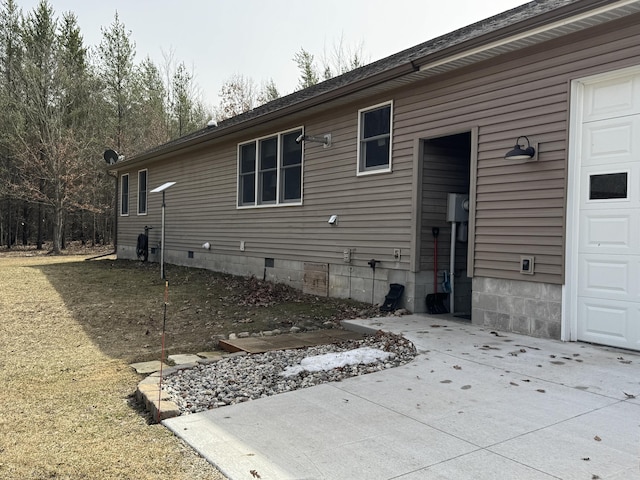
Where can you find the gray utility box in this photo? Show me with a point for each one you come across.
(458, 207)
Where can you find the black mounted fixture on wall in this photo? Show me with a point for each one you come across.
(520, 152)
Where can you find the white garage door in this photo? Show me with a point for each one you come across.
(608, 303)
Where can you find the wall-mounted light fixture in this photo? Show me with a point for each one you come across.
(325, 140)
(520, 152)
(333, 220)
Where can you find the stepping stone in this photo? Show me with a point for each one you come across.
(210, 355)
(148, 367)
(181, 359)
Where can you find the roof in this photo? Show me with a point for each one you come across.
(517, 28)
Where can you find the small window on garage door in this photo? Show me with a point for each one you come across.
(608, 186)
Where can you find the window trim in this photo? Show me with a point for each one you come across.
(360, 161)
(122, 204)
(146, 192)
(278, 202)
(607, 171)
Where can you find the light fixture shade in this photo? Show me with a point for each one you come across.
(519, 152)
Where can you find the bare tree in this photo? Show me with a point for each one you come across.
(237, 95)
(341, 59)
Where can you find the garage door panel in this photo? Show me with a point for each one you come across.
(611, 98)
(609, 323)
(604, 187)
(609, 140)
(605, 233)
(613, 277)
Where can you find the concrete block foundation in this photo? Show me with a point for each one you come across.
(530, 308)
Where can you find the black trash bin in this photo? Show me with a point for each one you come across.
(392, 299)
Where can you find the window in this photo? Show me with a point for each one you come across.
(270, 170)
(124, 194)
(142, 192)
(247, 175)
(608, 186)
(374, 138)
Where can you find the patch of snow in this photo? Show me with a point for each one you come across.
(329, 361)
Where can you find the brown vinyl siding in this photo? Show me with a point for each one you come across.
(373, 210)
(520, 207)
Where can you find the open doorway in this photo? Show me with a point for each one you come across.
(444, 225)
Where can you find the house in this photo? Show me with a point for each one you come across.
(338, 189)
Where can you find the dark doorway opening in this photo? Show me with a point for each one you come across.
(445, 191)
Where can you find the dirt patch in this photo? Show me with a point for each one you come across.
(70, 328)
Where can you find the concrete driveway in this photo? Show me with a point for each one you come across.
(474, 404)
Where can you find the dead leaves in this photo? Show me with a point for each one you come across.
(488, 347)
(515, 353)
(457, 367)
(597, 438)
(254, 474)
(629, 395)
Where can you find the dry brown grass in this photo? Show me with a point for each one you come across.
(68, 330)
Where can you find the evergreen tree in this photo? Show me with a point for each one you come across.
(116, 55)
(308, 71)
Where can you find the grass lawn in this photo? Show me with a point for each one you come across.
(69, 329)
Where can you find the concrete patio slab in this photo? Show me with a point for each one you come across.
(472, 405)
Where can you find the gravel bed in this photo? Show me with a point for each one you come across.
(242, 378)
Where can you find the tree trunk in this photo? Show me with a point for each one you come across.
(58, 228)
(39, 240)
(9, 223)
(26, 214)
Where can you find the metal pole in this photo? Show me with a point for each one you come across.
(164, 323)
(452, 264)
(162, 276)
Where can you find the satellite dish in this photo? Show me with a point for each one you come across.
(111, 156)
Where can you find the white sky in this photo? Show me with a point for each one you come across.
(258, 38)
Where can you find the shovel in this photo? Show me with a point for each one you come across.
(435, 300)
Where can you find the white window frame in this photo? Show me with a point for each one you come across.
(146, 192)
(279, 201)
(122, 203)
(605, 171)
(373, 170)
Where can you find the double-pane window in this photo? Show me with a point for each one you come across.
(142, 192)
(374, 139)
(270, 170)
(124, 194)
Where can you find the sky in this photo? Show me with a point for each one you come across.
(258, 38)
